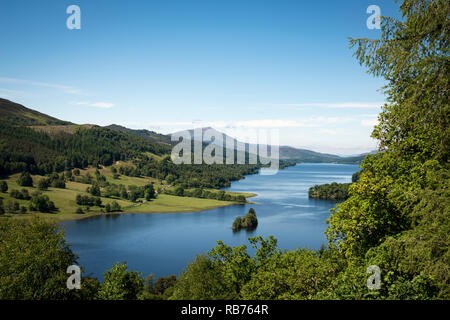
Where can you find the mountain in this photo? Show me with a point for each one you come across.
(149, 135)
(291, 153)
(35, 142)
(19, 115)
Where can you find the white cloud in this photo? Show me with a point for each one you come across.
(104, 105)
(369, 122)
(360, 105)
(64, 88)
(270, 123)
(258, 123)
(327, 132)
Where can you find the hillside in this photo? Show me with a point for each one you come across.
(149, 135)
(295, 154)
(19, 115)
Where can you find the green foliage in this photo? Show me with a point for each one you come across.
(225, 272)
(397, 216)
(85, 200)
(293, 275)
(79, 211)
(22, 194)
(113, 207)
(334, 191)
(356, 175)
(249, 221)
(25, 180)
(43, 183)
(12, 206)
(3, 187)
(201, 280)
(33, 260)
(41, 203)
(26, 149)
(94, 190)
(119, 283)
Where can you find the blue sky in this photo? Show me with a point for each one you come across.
(172, 65)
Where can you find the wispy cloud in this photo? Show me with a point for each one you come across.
(256, 123)
(360, 105)
(64, 88)
(369, 122)
(104, 105)
(327, 132)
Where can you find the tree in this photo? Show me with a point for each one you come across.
(249, 221)
(43, 183)
(94, 190)
(413, 129)
(34, 257)
(12, 206)
(119, 283)
(397, 214)
(201, 281)
(293, 275)
(98, 202)
(3, 186)
(41, 203)
(179, 191)
(115, 207)
(149, 192)
(25, 179)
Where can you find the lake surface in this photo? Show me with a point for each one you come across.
(164, 244)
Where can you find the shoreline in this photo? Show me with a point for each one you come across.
(129, 210)
(84, 216)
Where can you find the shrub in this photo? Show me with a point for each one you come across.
(3, 187)
(25, 180)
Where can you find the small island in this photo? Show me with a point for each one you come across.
(249, 221)
(334, 191)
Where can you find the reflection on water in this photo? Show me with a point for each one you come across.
(164, 243)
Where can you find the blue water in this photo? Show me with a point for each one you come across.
(163, 244)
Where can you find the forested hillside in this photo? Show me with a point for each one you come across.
(19, 115)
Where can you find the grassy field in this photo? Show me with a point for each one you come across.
(64, 199)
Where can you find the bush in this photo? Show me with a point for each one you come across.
(43, 184)
(58, 183)
(21, 195)
(25, 180)
(12, 206)
(85, 200)
(115, 207)
(3, 187)
(42, 203)
(119, 283)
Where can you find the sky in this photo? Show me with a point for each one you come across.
(177, 64)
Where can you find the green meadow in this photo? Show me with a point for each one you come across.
(64, 199)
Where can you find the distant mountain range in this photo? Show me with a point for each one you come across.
(18, 114)
(294, 154)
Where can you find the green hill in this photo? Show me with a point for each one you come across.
(17, 114)
(149, 135)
